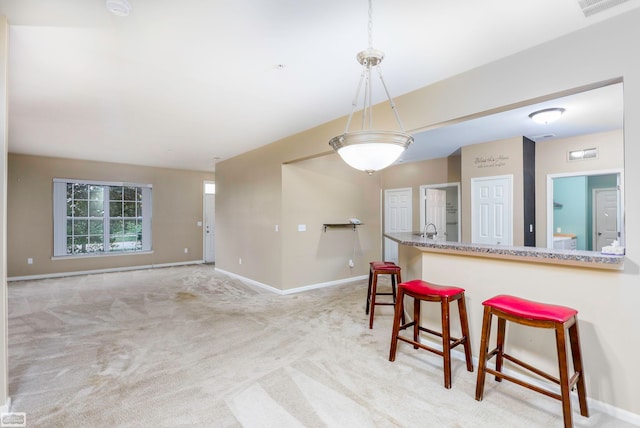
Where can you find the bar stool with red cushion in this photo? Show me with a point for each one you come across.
(541, 315)
(425, 291)
(381, 268)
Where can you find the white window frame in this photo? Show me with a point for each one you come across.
(60, 217)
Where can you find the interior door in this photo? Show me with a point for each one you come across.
(209, 228)
(436, 210)
(397, 204)
(492, 210)
(605, 217)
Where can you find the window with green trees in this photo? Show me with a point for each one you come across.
(97, 217)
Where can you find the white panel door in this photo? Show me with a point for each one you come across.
(606, 217)
(436, 210)
(397, 203)
(209, 228)
(492, 210)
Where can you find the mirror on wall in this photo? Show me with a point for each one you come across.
(584, 147)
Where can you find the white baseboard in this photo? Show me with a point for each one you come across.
(108, 270)
(6, 407)
(292, 290)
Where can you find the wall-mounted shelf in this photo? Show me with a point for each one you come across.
(351, 225)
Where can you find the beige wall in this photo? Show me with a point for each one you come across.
(177, 207)
(249, 203)
(551, 158)
(595, 54)
(325, 190)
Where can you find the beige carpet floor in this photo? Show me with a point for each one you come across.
(189, 346)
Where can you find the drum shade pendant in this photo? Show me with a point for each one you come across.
(369, 149)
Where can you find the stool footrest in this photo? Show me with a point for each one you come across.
(524, 384)
(529, 367)
(453, 343)
(422, 346)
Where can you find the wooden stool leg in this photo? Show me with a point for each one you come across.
(464, 326)
(416, 321)
(484, 350)
(396, 279)
(576, 352)
(502, 323)
(393, 287)
(374, 285)
(399, 281)
(369, 290)
(563, 363)
(399, 309)
(446, 341)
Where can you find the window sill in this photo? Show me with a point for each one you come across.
(93, 255)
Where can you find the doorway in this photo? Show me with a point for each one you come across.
(209, 222)
(440, 205)
(605, 217)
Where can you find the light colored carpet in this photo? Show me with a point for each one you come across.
(189, 346)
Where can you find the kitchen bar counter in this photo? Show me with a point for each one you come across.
(576, 258)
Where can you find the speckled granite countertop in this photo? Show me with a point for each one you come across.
(589, 259)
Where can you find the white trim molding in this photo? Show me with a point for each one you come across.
(108, 270)
(292, 290)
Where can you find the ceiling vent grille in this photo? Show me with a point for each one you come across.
(583, 154)
(591, 7)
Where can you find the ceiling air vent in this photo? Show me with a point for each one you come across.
(591, 7)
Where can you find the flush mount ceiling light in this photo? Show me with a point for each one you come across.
(370, 150)
(119, 7)
(547, 115)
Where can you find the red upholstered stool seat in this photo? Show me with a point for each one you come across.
(383, 265)
(423, 291)
(534, 314)
(528, 309)
(381, 268)
(426, 288)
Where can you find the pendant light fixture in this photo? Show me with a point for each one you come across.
(370, 149)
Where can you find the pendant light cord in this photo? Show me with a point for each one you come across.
(365, 77)
(370, 25)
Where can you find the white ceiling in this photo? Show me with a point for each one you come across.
(179, 84)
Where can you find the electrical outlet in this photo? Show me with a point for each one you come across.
(240, 260)
(351, 264)
(29, 261)
(186, 250)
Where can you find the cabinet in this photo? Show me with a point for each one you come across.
(565, 241)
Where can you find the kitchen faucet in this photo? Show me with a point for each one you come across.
(429, 234)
